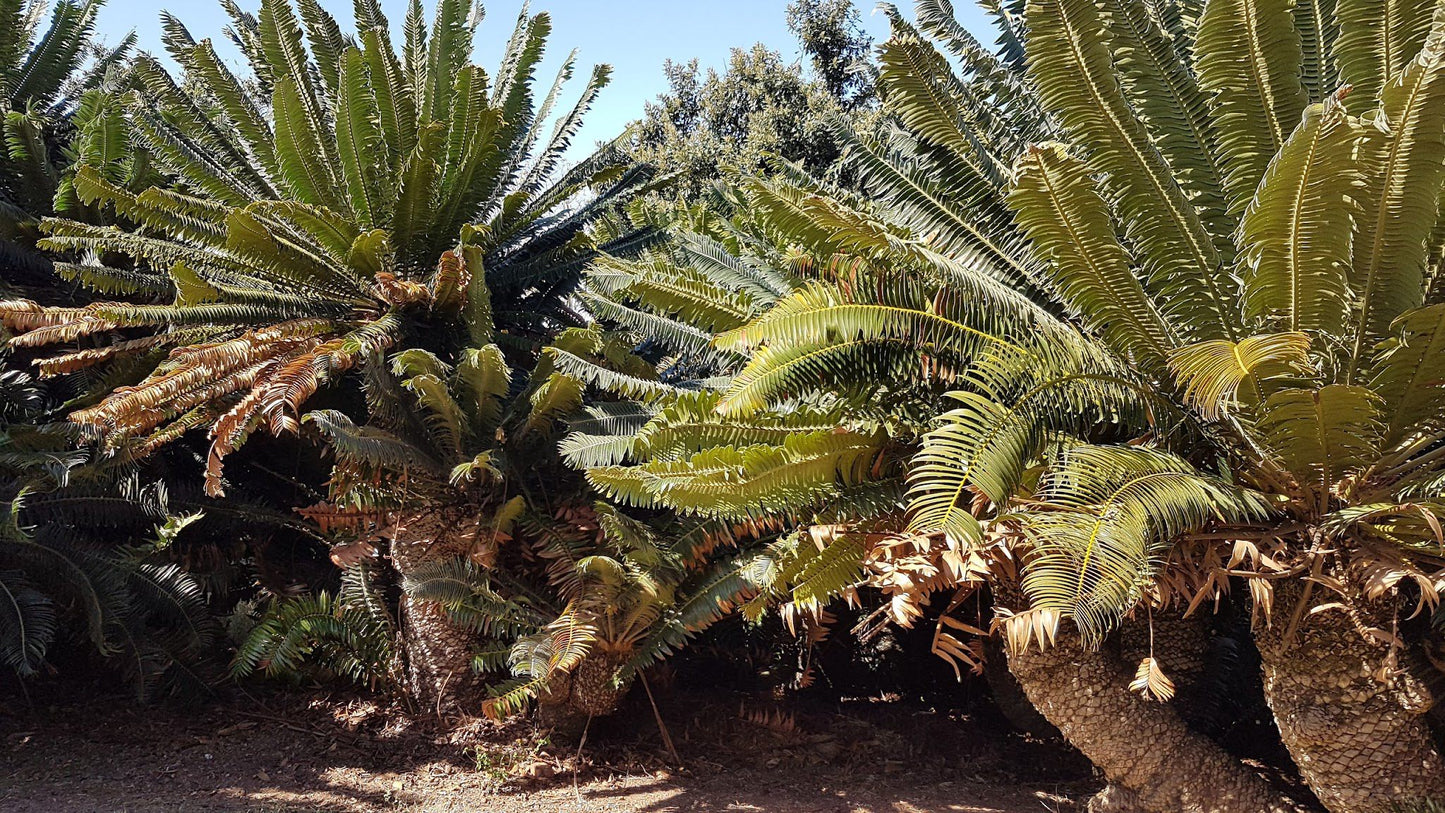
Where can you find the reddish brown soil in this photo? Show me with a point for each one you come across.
(320, 752)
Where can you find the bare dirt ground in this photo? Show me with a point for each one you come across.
(313, 751)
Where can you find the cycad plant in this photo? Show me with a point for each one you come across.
(344, 201)
(504, 567)
(63, 578)
(448, 461)
(607, 596)
(1178, 283)
(50, 68)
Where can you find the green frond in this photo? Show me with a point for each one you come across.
(1407, 373)
(1162, 89)
(1323, 436)
(239, 106)
(39, 79)
(582, 451)
(1248, 56)
(359, 141)
(690, 422)
(1212, 373)
(605, 434)
(763, 283)
(371, 446)
(1377, 40)
(747, 482)
(1294, 243)
(483, 381)
(925, 208)
(30, 624)
(1408, 525)
(1070, 63)
(1319, 28)
(799, 343)
(1058, 206)
(703, 601)
(316, 633)
(1107, 517)
(821, 578)
(448, 423)
(606, 379)
(675, 334)
(464, 591)
(978, 448)
(299, 149)
(1403, 175)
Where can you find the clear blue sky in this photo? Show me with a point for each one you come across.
(634, 36)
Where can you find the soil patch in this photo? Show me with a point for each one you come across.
(341, 753)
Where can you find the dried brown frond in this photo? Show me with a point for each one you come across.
(22, 315)
(67, 330)
(328, 518)
(1151, 682)
(299, 379)
(398, 292)
(1036, 626)
(735, 535)
(344, 556)
(231, 430)
(203, 415)
(256, 344)
(773, 719)
(957, 652)
(132, 410)
(83, 359)
(911, 568)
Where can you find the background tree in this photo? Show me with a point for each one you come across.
(761, 107)
(830, 33)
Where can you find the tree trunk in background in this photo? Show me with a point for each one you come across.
(437, 654)
(1151, 759)
(1361, 745)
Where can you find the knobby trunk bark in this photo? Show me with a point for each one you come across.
(1008, 695)
(586, 692)
(1361, 744)
(1154, 763)
(436, 653)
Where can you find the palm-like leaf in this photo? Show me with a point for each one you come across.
(1220, 274)
(302, 255)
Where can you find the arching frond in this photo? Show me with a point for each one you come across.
(1108, 514)
(1377, 39)
(1403, 173)
(1249, 57)
(1293, 238)
(1070, 64)
(1323, 435)
(1059, 207)
(1212, 373)
(1408, 372)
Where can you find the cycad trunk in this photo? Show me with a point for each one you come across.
(1361, 745)
(1008, 695)
(587, 692)
(1154, 763)
(436, 653)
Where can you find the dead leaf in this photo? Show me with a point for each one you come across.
(344, 556)
(1151, 682)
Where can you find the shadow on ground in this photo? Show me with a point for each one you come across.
(340, 753)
